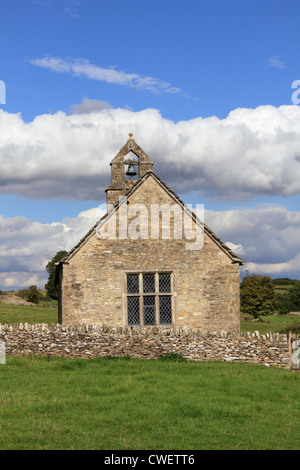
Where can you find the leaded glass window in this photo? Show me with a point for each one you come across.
(133, 310)
(149, 310)
(148, 283)
(165, 310)
(164, 282)
(132, 283)
(149, 298)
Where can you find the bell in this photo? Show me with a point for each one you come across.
(131, 170)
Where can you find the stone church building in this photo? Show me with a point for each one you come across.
(149, 260)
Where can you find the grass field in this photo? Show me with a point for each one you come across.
(137, 404)
(121, 404)
(26, 314)
(273, 323)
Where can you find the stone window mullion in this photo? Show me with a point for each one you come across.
(156, 299)
(141, 299)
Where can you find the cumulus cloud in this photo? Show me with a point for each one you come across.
(250, 152)
(268, 239)
(27, 246)
(18, 280)
(83, 68)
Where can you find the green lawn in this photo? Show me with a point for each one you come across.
(136, 404)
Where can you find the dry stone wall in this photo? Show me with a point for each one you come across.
(84, 341)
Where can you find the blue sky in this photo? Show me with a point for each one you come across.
(206, 87)
(221, 54)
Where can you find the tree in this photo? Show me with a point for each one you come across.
(292, 299)
(51, 286)
(289, 299)
(258, 295)
(282, 303)
(31, 294)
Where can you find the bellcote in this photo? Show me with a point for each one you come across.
(120, 183)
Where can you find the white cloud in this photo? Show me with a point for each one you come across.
(251, 152)
(18, 280)
(276, 62)
(290, 267)
(27, 246)
(83, 68)
(237, 249)
(268, 239)
(71, 9)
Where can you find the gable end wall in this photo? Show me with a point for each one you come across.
(205, 282)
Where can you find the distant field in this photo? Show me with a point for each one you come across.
(27, 314)
(273, 323)
(283, 289)
(121, 404)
